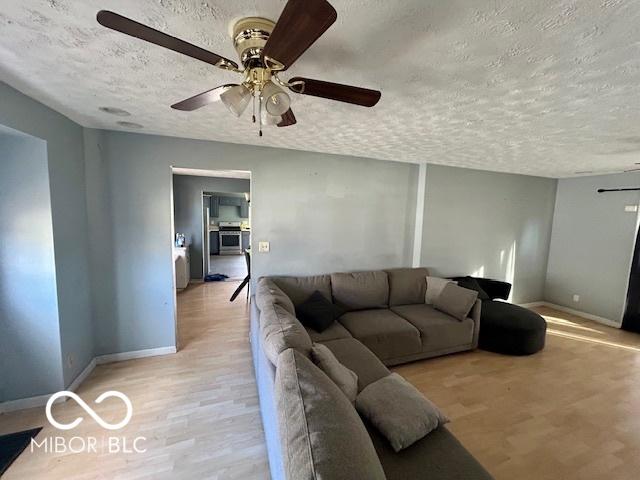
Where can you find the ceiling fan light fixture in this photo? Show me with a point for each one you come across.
(275, 101)
(268, 119)
(236, 99)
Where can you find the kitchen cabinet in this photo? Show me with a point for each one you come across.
(230, 201)
(244, 209)
(214, 243)
(217, 201)
(246, 240)
(214, 206)
(182, 268)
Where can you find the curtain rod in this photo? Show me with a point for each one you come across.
(604, 190)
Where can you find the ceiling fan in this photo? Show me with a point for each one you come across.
(265, 49)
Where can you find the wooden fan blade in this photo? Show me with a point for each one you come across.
(130, 27)
(288, 119)
(202, 99)
(300, 24)
(336, 91)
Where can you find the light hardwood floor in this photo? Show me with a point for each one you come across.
(568, 412)
(198, 408)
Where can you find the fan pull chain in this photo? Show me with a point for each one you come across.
(254, 108)
(260, 116)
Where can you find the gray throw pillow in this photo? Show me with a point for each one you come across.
(456, 301)
(398, 411)
(435, 285)
(345, 379)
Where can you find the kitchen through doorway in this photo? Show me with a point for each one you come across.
(227, 234)
(211, 244)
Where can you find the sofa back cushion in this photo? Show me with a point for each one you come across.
(299, 289)
(280, 330)
(360, 290)
(407, 286)
(267, 292)
(320, 431)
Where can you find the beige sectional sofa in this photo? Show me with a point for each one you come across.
(386, 322)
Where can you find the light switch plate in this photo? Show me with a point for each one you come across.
(631, 208)
(263, 247)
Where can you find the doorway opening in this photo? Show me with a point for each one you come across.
(227, 231)
(211, 246)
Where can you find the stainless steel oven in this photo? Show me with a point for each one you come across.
(230, 238)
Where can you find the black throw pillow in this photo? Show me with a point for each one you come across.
(317, 312)
(472, 284)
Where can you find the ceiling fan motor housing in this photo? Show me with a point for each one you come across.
(250, 35)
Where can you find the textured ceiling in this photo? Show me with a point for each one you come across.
(528, 86)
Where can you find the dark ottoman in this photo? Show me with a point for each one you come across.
(510, 329)
(504, 327)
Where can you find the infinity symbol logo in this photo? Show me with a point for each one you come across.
(89, 410)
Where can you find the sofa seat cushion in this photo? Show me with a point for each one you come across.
(511, 329)
(333, 332)
(360, 290)
(299, 289)
(321, 434)
(358, 358)
(407, 285)
(438, 330)
(383, 332)
(438, 456)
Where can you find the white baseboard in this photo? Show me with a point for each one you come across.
(24, 403)
(41, 400)
(120, 357)
(73, 386)
(532, 304)
(589, 316)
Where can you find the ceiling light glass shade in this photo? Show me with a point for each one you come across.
(275, 100)
(268, 119)
(236, 99)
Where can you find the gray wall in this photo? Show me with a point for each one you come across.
(31, 357)
(187, 200)
(592, 244)
(65, 157)
(320, 212)
(100, 236)
(489, 224)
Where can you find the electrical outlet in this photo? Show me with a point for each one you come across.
(576, 298)
(263, 247)
(70, 360)
(631, 208)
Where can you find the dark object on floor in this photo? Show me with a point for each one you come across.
(245, 282)
(12, 445)
(631, 318)
(504, 327)
(216, 277)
